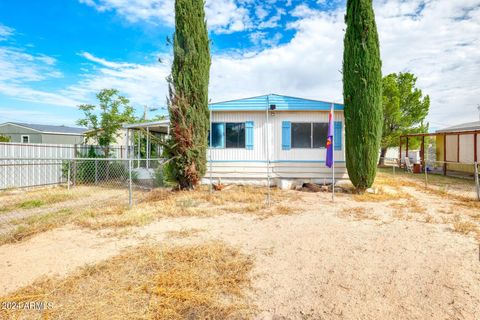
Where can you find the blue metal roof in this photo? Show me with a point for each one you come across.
(282, 103)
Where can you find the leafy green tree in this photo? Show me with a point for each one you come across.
(4, 138)
(362, 93)
(188, 96)
(113, 111)
(404, 109)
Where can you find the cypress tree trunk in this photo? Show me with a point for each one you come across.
(188, 96)
(362, 93)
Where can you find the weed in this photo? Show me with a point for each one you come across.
(358, 213)
(30, 204)
(26, 228)
(183, 233)
(205, 281)
(462, 226)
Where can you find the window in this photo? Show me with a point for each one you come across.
(301, 135)
(227, 135)
(235, 135)
(309, 135)
(217, 136)
(25, 139)
(320, 135)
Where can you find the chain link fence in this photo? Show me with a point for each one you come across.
(460, 179)
(34, 188)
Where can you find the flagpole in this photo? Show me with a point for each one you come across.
(333, 155)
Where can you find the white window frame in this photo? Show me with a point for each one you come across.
(225, 135)
(28, 138)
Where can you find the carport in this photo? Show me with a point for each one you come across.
(154, 132)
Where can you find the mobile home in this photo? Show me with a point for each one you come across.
(273, 138)
(39, 133)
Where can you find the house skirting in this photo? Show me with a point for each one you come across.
(279, 172)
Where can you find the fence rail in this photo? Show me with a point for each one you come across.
(26, 172)
(55, 151)
(434, 168)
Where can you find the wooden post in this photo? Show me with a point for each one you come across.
(475, 150)
(422, 152)
(444, 154)
(400, 153)
(406, 149)
(458, 147)
(477, 183)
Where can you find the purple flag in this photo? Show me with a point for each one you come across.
(329, 160)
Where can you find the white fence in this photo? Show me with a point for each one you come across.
(30, 164)
(20, 173)
(54, 151)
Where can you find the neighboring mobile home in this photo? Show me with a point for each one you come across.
(462, 145)
(39, 133)
(274, 137)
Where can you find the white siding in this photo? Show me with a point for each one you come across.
(303, 154)
(258, 152)
(245, 164)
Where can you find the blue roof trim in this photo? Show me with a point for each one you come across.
(283, 103)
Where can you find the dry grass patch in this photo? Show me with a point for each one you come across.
(187, 282)
(382, 195)
(183, 233)
(414, 206)
(155, 204)
(429, 218)
(464, 226)
(26, 228)
(159, 194)
(467, 202)
(37, 199)
(358, 213)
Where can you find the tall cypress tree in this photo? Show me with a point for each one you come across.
(362, 93)
(188, 96)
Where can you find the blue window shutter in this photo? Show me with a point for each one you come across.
(222, 130)
(337, 138)
(286, 135)
(217, 136)
(249, 135)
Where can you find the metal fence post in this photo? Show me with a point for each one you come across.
(74, 173)
(425, 164)
(68, 175)
(130, 182)
(426, 174)
(96, 171)
(477, 183)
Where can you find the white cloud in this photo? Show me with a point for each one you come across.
(261, 38)
(21, 69)
(5, 32)
(18, 66)
(223, 16)
(436, 40)
(105, 63)
(142, 84)
(14, 115)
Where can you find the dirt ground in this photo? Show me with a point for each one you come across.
(405, 253)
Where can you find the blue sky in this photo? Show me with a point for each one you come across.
(57, 54)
